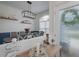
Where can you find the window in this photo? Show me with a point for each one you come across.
(44, 24)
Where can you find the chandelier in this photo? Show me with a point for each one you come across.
(27, 12)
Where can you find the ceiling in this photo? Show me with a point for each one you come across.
(36, 7)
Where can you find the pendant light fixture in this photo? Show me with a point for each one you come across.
(27, 12)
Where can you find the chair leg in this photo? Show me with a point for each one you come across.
(61, 52)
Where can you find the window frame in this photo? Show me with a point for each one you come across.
(45, 21)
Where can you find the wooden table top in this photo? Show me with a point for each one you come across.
(50, 49)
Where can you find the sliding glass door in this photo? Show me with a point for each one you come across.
(69, 35)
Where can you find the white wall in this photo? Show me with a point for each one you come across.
(10, 26)
(36, 24)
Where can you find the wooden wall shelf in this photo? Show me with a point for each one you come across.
(8, 18)
(25, 22)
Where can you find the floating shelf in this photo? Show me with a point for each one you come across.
(8, 18)
(25, 22)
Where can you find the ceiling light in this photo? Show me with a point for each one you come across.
(27, 12)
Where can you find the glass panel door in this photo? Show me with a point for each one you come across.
(70, 31)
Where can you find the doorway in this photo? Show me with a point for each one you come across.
(69, 33)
